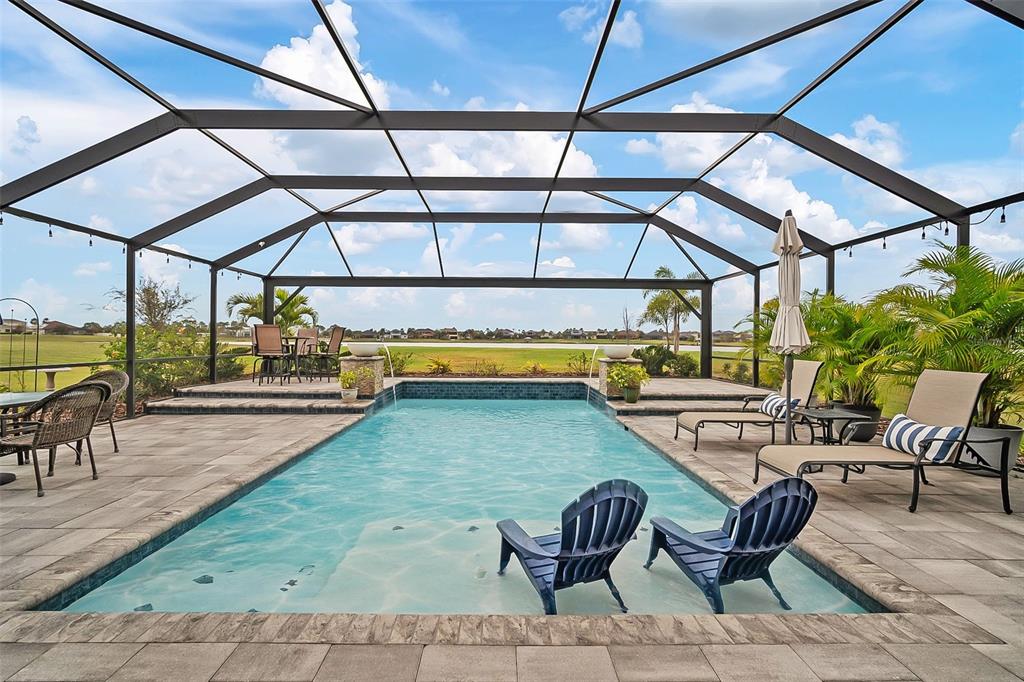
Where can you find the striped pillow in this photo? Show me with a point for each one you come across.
(775, 405)
(905, 434)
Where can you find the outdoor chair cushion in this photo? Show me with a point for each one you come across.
(789, 458)
(906, 435)
(774, 405)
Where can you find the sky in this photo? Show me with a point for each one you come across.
(940, 98)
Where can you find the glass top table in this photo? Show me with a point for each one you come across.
(9, 400)
(826, 417)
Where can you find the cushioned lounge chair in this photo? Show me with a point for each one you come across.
(805, 375)
(753, 535)
(595, 528)
(940, 398)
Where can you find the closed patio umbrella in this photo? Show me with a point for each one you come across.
(789, 335)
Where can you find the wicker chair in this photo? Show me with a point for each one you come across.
(118, 382)
(64, 417)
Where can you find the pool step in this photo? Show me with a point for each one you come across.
(305, 391)
(235, 405)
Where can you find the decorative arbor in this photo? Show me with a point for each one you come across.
(587, 118)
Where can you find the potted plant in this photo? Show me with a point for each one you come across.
(621, 351)
(349, 381)
(628, 378)
(971, 321)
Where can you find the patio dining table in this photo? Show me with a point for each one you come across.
(10, 402)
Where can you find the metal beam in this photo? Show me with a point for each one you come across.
(686, 302)
(488, 282)
(268, 241)
(209, 52)
(483, 184)
(550, 121)
(706, 331)
(774, 38)
(88, 158)
(863, 167)
(753, 213)
(703, 244)
(201, 213)
(289, 299)
(482, 217)
(1007, 10)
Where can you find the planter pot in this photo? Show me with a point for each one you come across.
(991, 453)
(864, 432)
(631, 395)
(349, 395)
(363, 349)
(618, 352)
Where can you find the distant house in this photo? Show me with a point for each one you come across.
(12, 326)
(450, 333)
(396, 334)
(504, 334)
(421, 333)
(57, 327)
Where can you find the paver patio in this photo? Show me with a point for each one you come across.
(954, 570)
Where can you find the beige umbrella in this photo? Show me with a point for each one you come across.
(789, 335)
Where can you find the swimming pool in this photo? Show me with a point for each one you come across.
(397, 514)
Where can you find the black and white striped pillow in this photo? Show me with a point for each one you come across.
(906, 435)
(775, 405)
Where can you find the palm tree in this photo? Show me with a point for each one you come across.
(972, 321)
(250, 306)
(665, 308)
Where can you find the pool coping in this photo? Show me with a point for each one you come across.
(913, 617)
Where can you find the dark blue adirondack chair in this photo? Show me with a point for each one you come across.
(752, 536)
(595, 528)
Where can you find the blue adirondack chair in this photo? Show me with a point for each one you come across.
(595, 528)
(752, 536)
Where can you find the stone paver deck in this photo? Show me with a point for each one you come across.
(954, 571)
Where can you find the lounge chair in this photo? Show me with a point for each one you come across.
(753, 535)
(805, 375)
(940, 398)
(65, 416)
(595, 528)
(118, 382)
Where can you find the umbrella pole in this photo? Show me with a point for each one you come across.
(789, 398)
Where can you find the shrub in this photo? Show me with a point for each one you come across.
(399, 362)
(578, 364)
(486, 368)
(439, 366)
(622, 375)
(159, 379)
(741, 374)
(534, 368)
(348, 379)
(683, 365)
(654, 359)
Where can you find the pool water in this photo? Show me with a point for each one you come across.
(397, 515)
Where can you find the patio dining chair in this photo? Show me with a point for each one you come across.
(326, 362)
(752, 536)
(64, 417)
(595, 528)
(307, 339)
(274, 359)
(118, 382)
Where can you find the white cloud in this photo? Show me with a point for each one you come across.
(161, 267)
(877, 140)
(576, 17)
(715, 226)
(89, 185)
(100, 223)
(26, 134)
(439, 89)
(726, 22)
(456, 305)
(577, 237)
(315, 61)
(1017, 139)
(577, 313)
(755, 76)
(49, 301)
(363, 238)
(92, 269)
(997, 242)
(560, 262)
(494, 237)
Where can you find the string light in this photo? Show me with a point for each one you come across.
(124, 249)
(168, 259)
(190, 265)
(238, 276)
(922, 233)
(946, 226)
(90, 240)
(850, 252)
(883, 244)
(1, 218)
(1002, 217)
(50, 230)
